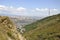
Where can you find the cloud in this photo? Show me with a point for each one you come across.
(21, 9)
(28, 12)
(41, 9)
(11, 9)
(45, 11)
(37, 9)
(2, 7)
(55, 9)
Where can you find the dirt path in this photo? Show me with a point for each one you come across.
(21, 37)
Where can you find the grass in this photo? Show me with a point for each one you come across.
(44, 29)
(7, 29)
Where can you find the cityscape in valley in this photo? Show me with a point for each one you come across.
(29, 20)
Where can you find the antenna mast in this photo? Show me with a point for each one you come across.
(49, 12)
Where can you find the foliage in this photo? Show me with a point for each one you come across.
(44, 29)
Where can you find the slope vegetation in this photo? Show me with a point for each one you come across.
(44, 29)
(8, 30)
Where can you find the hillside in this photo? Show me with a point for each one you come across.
(44, 29)
(8, 30)
(21, 21)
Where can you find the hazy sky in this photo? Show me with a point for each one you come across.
(29, 7)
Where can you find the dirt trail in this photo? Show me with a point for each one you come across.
(21, 37)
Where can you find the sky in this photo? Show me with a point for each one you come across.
(30, 7)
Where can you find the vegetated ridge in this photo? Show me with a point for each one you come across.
(44, 29)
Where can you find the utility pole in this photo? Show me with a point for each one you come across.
(49, 12)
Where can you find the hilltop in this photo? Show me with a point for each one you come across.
(44, 29)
